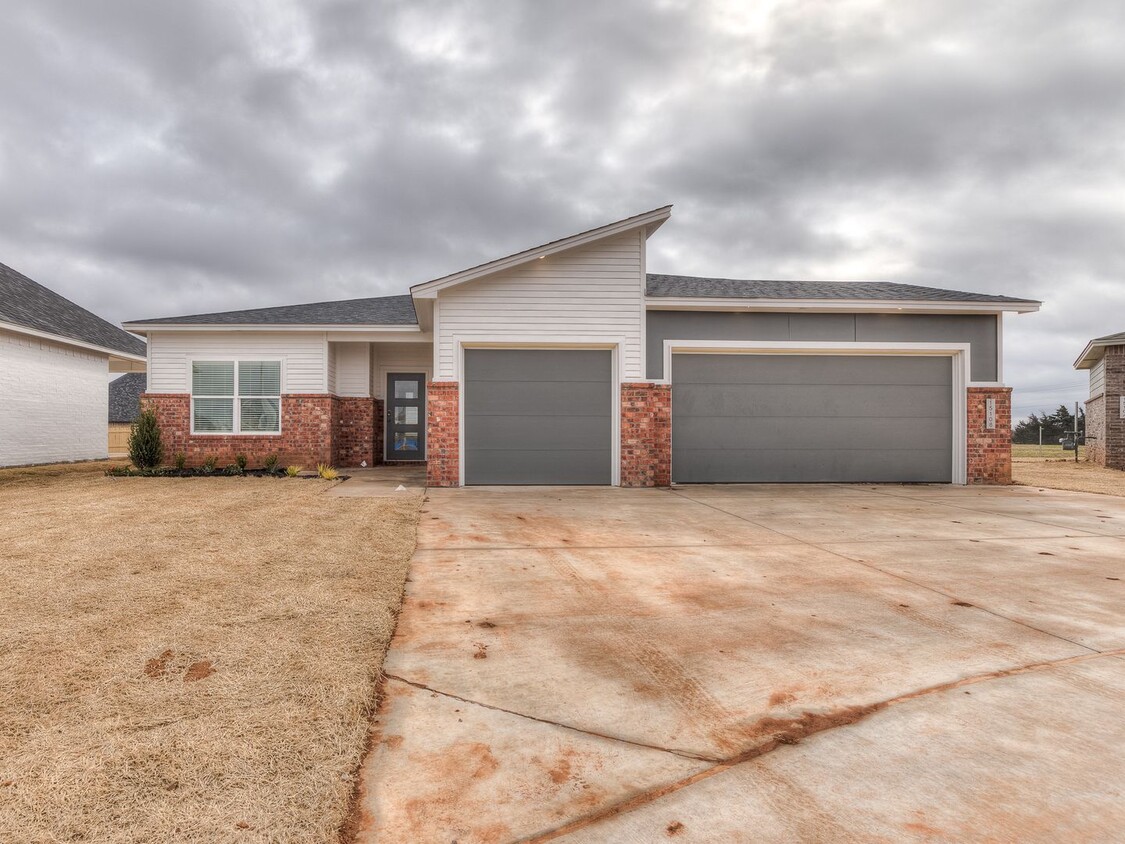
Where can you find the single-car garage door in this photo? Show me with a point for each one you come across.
(538, 416)
(745, 418)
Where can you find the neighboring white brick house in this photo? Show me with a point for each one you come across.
(55, 360)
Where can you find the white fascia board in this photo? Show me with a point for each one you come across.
(649, 221)
(673, 303)
(1093, 352)
(145, 328)
(70, 341)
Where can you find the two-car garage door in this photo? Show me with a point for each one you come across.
(545, 416)
(811, 418)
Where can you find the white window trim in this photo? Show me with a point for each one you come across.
(597, 344)
(959, 354)
(237, 398)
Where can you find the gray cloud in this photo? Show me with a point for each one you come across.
(168, 158)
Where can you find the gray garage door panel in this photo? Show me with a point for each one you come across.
(538, 416)
(811, 418)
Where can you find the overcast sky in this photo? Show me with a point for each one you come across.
(163, 158)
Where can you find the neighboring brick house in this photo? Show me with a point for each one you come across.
(568, 363)
(1105, 409)
(55, 360)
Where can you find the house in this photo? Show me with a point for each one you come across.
(124, 408)
(1105, 409)
(55, 360)
(568, 363)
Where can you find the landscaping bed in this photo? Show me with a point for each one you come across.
(189, 662)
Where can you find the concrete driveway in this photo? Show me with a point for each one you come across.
(766, 663)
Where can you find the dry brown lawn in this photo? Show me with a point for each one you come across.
(189, 660)
(1066, 474)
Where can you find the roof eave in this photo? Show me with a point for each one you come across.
(15, 327)
(830, 305)
(650, 221)
(144, 328)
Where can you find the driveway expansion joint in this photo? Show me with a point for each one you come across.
(684, 754)
(790, 731)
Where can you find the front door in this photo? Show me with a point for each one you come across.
(406, 416)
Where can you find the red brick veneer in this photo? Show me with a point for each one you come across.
(989, 451)
(443, 438)
(355, 431)
(1105, 442)
(308, 423)
(646, 435)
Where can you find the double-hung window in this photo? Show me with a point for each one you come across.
(230, 397)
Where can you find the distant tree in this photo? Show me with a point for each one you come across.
(1055, 425)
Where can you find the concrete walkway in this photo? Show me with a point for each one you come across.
(766, 663)
(380, 481)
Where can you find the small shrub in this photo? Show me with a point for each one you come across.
(181, 461)
(270, 463)
(326, 472)
(241, 461)
(208, 466)
(145, 447)
(292, 471)
(233, 469)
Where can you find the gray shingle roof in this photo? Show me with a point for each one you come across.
(125, 395)
(731, 288)
(383, 310)
(29, 304)
(1110, 339)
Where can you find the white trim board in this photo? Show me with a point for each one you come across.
(889, 306)
(14, 328)
(959, 354)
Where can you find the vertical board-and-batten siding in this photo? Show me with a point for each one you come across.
(303, 356)
(54, 401)
(1097, 379)
(592, 293)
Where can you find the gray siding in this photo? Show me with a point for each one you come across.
(811, 418)
(979, 330)
(538, 416)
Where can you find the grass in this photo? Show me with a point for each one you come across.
(1066, 474)
(1048, 451)
(189, 660)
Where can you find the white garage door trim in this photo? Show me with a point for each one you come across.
(957, 352)
(593, 343)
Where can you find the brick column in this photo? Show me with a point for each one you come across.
(1095, 430)
(443, 436)
(355, 431)
(646, 435)
(1114, 429)
(380, 431)
(989, 451)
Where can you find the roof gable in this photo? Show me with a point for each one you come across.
(1095, 349)
(27, 304)
(649, 220)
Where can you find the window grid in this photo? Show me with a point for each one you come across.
(240, 397)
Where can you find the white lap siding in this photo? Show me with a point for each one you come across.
(303, 356)
(398, 357)
(590, 294)
(54, 402)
